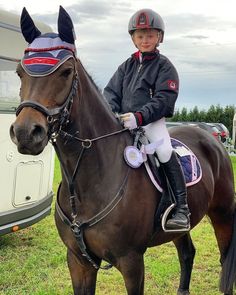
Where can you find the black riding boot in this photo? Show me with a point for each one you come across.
(174, 174)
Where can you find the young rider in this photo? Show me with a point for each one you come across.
(144, 90)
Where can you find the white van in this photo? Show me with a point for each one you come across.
(25, 181)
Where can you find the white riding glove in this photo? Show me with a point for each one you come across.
(129, 121)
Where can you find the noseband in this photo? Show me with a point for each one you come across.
(56, 117)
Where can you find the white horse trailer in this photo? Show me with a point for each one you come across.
(25, 181)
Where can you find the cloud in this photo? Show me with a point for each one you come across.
(47, 18)
(190, 24)
(197, 37)
(199, 41)
(187, 22)
(85, 11)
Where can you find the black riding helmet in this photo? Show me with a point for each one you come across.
(146, 19)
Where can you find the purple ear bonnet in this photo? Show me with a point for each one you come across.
(47, 52)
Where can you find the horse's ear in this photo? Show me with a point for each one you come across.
(28, 28)
(65, 26)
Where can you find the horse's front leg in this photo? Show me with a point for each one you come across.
(131, 267)
(83, 276)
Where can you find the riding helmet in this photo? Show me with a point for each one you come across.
(146, 19)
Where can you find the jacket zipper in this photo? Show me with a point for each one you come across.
(150, 92)
(134, 82)
(137, 75)
(139, 68)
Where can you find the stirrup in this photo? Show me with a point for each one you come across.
(164, 219)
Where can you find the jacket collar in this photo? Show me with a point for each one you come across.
(142, 56)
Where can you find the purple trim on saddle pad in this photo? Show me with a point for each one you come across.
(45, 54)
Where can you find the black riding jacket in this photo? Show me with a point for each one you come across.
(149, 87)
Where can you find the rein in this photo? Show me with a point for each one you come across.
(87, 143)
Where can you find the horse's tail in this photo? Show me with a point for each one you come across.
(228, 274)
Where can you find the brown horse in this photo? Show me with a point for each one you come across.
(105, 209)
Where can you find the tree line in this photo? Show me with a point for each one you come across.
(215, 114)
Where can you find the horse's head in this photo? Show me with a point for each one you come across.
(48, 84)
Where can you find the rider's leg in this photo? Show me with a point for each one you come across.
(175, 176)
(157, 132)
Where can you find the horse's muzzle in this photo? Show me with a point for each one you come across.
(29, 138)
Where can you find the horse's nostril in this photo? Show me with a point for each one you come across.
(12, 131)
(38, 131)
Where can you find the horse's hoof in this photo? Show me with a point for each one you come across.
(183, 292)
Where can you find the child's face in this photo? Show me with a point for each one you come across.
(146, 40)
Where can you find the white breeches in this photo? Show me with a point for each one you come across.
(157, 133)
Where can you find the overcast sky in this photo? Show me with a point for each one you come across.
(200, 40)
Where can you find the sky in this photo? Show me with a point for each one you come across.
(200, 40)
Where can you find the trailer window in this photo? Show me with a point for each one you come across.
(9, 86)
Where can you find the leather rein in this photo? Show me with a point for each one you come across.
(57, 118)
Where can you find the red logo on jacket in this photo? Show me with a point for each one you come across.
(173, 85)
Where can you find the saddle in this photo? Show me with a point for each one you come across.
(143, 152)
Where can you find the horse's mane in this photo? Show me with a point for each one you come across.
(89, 76)
(98, 90)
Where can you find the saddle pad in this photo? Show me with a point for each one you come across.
(190, 164)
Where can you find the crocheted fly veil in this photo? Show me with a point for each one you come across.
(46, 52)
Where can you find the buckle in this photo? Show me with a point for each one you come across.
(76, 228)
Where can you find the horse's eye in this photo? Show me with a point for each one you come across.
(66, 73)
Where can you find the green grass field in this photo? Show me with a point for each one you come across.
(33, 262)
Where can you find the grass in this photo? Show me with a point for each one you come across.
(33, 262)
(233, 159)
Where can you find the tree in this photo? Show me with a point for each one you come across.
(184, 114)
(227, 120)
(194, 114)
(213, 115)
(202, 116)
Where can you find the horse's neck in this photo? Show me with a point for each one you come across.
(94, 115)
(101, 168)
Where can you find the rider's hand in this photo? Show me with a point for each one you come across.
(129, 121)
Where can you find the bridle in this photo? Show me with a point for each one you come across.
(56, 117)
